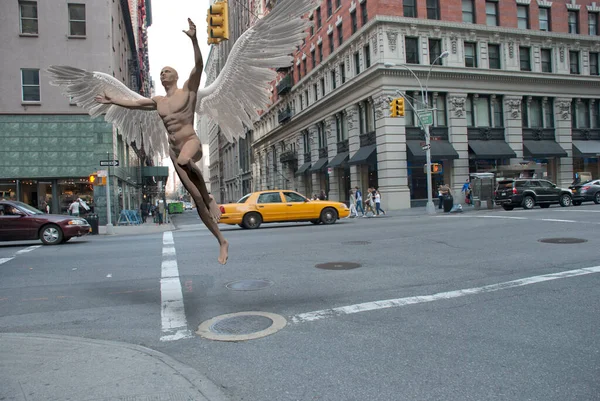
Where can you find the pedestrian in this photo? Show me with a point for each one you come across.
(353, 212)
(467, 190)
(144, 210)
(74, 208)
(378, 203)
(359, 201)
(369, 203)
(440, 197)
(322, 196)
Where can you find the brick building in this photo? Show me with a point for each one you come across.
(519, 85)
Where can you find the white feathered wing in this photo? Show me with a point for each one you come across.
(83, 86)
(241, 88)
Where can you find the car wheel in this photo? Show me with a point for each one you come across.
(578, 203)
(545, 205)
(528, 202)
(252, 220)
(328, 215)
(51, 234)
(508, 207)
(565, 200)
(597, 198)
(315, 222)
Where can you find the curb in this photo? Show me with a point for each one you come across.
(204, 386)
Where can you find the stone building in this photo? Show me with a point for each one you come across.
(520, 84)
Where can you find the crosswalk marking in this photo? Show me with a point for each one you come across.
(20, 252)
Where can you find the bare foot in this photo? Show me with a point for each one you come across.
(224, 252)
(214, 210)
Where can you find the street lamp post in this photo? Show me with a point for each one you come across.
(430, 208)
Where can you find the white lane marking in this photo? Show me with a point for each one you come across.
(29, 249)
(505, 217)
(580, 211)
(393, 303)
(559, 220)
(174, 322)
(109, 275)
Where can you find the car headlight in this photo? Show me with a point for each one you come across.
(78, 222)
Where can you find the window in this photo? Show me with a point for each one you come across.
(29, 17)
(322, 87)
(433, 9)
(338, 3)
(331, 44)
(313, 59)
(435, 50)
(315, 92)
(329, 8)
(354, 23)
(544, 19)
(470, 54)
(77, 19)
(592, 23)
(293, 197)
(537, 113)
(322, 135)
(494, 56)
(594, 64)
(304, 66)
(525, 58)
(343, 72)
(468, 11)
(299, 72)
(523, 17)
(491, 13)
(573, 21)
(546, 55)
(581, 112)
(301, 102)
(30, 81)
(410, 8)
(306, 97)
(333, 83)
(356, 64)
(574, 62)
(320, 47)
(412, 50)
(269, 197)
(319, 18)
(338, 128)
(484, 111)
(367, 56)
(312, 28)
(363, 12)
(306, 141)
(340, 34)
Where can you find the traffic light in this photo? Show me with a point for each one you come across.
(93, 178)
(393, 110)
(218, 22)
(436, 168)
(397, 107)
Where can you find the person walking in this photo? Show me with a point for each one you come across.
(359, 201)
(74, 208)
(378, 203)
(352, 202)
(369, 203)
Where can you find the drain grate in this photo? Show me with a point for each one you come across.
(563, 240)
(241, 325)
(356, 243)
(249, 285)
(338, 265)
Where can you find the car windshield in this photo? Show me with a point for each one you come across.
(29, 209)
(244, 199)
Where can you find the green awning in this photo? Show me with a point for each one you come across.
(493, 149)
(303, 168)
(320, 164)
(543, 149)
(155, 171)
(339, 159)
(587, 149)
(363, 154)
(440, 150)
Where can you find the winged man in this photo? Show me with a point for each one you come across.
(232, 100)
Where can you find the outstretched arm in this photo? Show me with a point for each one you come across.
(139, 104)
(193, 83)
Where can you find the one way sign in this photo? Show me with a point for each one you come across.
(114, 163)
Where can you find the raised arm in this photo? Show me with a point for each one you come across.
(193, 83)
(138, 104)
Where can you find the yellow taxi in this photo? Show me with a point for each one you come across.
(276, 206)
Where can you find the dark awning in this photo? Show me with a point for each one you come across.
(303, 168)
(320, 164)
(362, 155)
(493, 149)
(586, 148)
(339, 159)
(440, 150)
(543, 148)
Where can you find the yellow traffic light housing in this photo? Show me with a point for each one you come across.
(393, 112)
(218, 22)
(400, 106)
(93, 178)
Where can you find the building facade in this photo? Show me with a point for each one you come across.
(518, 86)
(49, 147)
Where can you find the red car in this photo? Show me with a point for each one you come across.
(20, 222)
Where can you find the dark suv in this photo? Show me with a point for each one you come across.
(530, 192)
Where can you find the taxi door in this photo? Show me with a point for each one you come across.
(298, 207)
(270, 205)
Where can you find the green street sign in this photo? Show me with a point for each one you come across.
(425, 117)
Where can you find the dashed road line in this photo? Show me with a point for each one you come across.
(398, 302)
(20, 252)
(559, 220)
(174, 322)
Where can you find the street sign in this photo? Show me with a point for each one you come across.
(102, 173)
(114, 163)
(425, 147)
(425, 117)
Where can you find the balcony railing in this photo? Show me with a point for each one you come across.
(288, 156)
(343, 146)
(285, 85)
(323, 152)
(284, 115)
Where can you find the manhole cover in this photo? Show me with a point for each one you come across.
(338, 266)
(356, 243)
(249, 285)
(563, 240)
(241, 326)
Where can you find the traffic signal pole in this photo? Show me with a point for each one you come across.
(430, 208)
(109, 227)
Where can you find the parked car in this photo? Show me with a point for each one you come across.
(527, 193)
(586, 192)
(280, 206)
(187, 205)
(19, 222)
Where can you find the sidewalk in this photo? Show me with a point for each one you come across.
(146, 228)
(48, 367)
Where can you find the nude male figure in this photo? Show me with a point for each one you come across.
(177, 112)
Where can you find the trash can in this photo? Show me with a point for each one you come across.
(448, 203)
(93, 220)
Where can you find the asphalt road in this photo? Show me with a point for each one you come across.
(532, 337)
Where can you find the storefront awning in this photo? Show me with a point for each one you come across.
(362, 155)
(543, 149)
(440, 150)
(493, 149)
(586, 148)
(320, 164)
(303, 168)
(339, 159)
